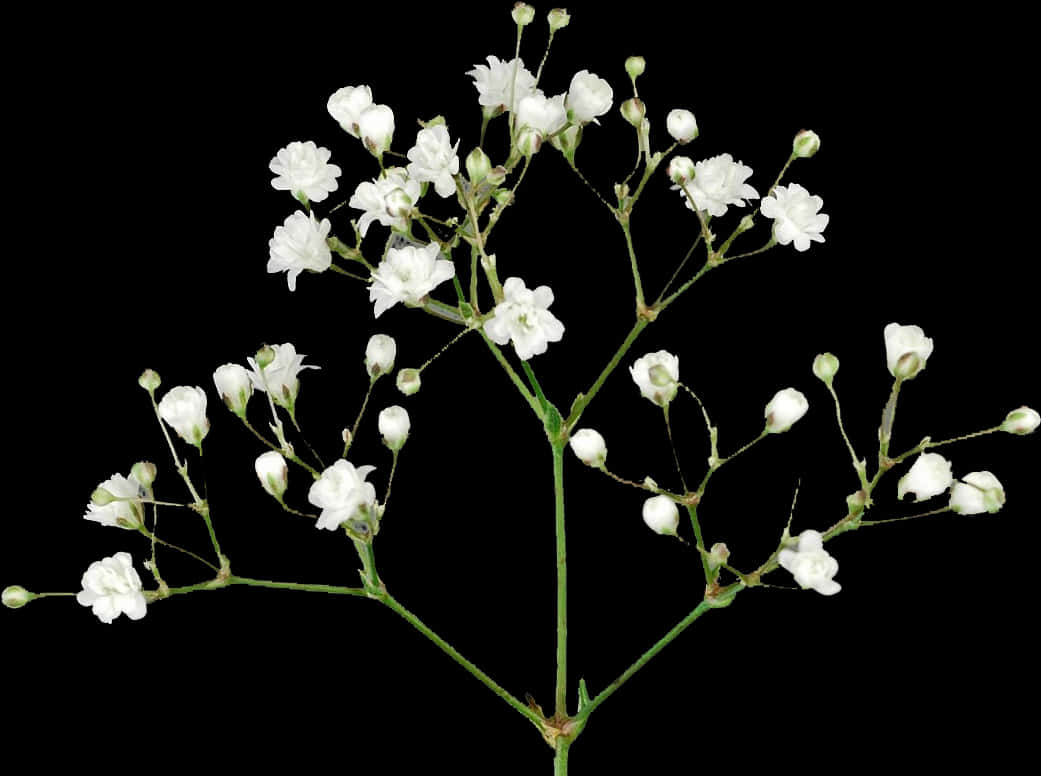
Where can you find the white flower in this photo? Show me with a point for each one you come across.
(657, 376)
(376, 127)
(124, 508)
(524, 317)
(497, 80)
(907, 350)
(342, 494)
(407, 275)
(273, 472)
(233, 386)
(681, 125)
(347, 104)
(929, 475)
(977, 493)
(589, 446)
(719, 182)
(433, 158)
(661, 515)
(543, 114)
(1022, 421)
(111, 587)
(184, 410)
(588, 97)
(394, 425)
(380, 354)
(279, 378)
(372, 198)
(796, 214)
(299, 244)
(811, 565)
(303, 169)
(784, 409)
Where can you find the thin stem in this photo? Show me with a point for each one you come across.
(908, 517)
(591, 187)
(534, 384)
(530, 714)
(857, 465)
(683, 263)
(632, 262)
(885, 431)
(390, 478)
(583, 399)
(447, 345)
(558, 499)
(292, 457)
(341, 271)
(672, 444)
(292, 417)
(528, 397)
(443, 311)
(357, 421)
(642, 485)
(676, 294)
(156, 540)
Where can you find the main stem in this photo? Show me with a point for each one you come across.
(560, 705)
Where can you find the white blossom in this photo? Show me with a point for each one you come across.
(394, 425)
(233, 386)
(379, 355)
(657, 376)
(929, 475)
(111, 587)
(588, 96)
(810, 564)
(184, 410)
(347, 104)
(681, 125)
(343, 494)
(407, 275)
(1021, 421)
(498, 80)
(124, 509)
(279, 378)
(589, 446)
(543, 114)
(907, 350)
(784, 409)
(273, 472)
(303, 169)
(376, 127)
(372, 199)
(661, 515)
(299, 244)
(523, 317)
(718, 182)
(433, 158)
(796, 214)
(976, 493)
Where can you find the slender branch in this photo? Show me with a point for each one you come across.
(357, 421)
(528, 397)
(560, 704)
(632, 261)
(583, 399)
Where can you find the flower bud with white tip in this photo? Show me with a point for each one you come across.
(661, 515)
(394, 425)
(588, 96)
(907, 350)
(379, 355)
(589, 446)
(717, 556)
(825, 366)
(273, 473)
(184, 410)
(16, 596)
(680, 170)
(149, 380)
(784, 409)
(1022, 421)
(976, 493)
(929, 475)
(398, 204)
(681, 125)
(633, 111)
(529, 141)
(523, 14)
(806, 144)
(234, 386)
(376, 127)
(478, 165)
(408, 381)
(635, 66)
(657, 376)
(558, 19)
(144, 472)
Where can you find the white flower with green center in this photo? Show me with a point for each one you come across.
(796, 214)
(976, 493)
(657, 375)
(372, 198)
(303, 169)
(523, 317)
(907, 350)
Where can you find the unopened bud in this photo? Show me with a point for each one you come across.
(398, 203)
(907, 366)
(273, 473)
(497, 176)
(825, 366)
(681, 125)
(558, 18)
(635, 66)
(408, 381)
(589, 446)
(379, 355)
(681, 170)
(661, 515)
(478, 165)
(529, 141)
(144, 472)
(394, 425)
(522, 14)
(1021, 421)
(149, 380)
(633, 111)
(806, 144)
(16, 596)
(265, 356)
(717, 556)
(102, 497)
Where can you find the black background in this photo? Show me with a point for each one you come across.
(142, 212)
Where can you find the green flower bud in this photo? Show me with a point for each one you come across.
(144, 472)
(635, 66)
(478, 165)
(633, 111)
(523, 14)
(806, 144)
(408, 381)
(558, 18)
(16, 596)
(101, 497)
(825, 366)
(265, 356)
(149, 380)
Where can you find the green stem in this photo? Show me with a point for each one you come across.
(583, 399)
(558, 499)
(528, 397)
(885, 431)
(860, 468)
(531, 715)
(292, 457)
(624, 221)
(357, 421)
(443, 311)
(157, 540)
(560, 752)
(675, 294)
(534, 383)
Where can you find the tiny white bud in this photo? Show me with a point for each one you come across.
(635, 66)
(806, 144)
(234, 387)
(929, 475)
(529, 141)
(522, 14)
(16, 596)
(398, 203)
(589, 446)
(784, 409)
(907, 349)
(681, 125)
(825, 366)
(394, 425)
(717, 556)
(149, 380)
(633, 111)
(408, 381)
(273, 473)
(144, 472)
(478, 165)
(681, 170)
(558, 18)
(661, 515)
(1021, 421)
(379, 355)
(976, 493)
